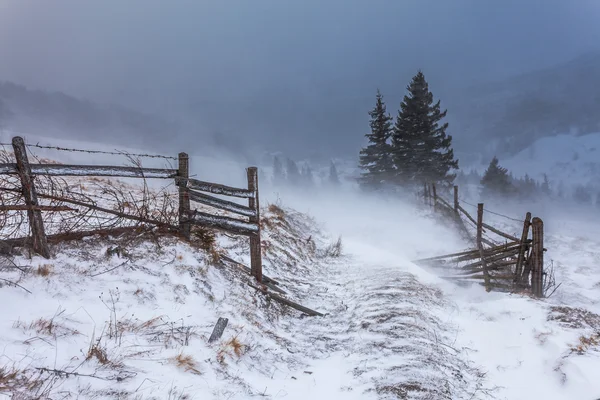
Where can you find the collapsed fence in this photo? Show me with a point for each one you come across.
(516, 263)
(43, 190)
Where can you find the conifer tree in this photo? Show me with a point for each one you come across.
(334, 178)
(422, 151)
(278, 173)
(496, 180)
(307, 176)
(293, 173)
(375, 159)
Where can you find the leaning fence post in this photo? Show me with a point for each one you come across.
(486, 274)
(184, 196)
(456, 199)
(36, 223)
(537, 257)
(253, 203)
(522, 248)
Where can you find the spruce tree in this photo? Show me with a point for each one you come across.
(422, 151)
(496, 180)
(278, 173)
(375, 159)
(334, 179)
(293, 173)
(307, 176)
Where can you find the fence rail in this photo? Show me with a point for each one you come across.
(514, 265)
(189, 192)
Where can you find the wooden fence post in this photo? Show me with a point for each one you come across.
(434, 197)
(255, 247)
(522, 249)
(184, 195)
(456, 199)
(36, 223)
(537, 257)
(486, 274)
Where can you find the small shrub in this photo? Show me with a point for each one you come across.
(334, 249)
(44, 270)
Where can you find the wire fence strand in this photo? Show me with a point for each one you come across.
(114, 153)
(492, 212)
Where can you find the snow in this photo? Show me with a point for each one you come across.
(391, 329)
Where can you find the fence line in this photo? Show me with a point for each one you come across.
(517, 264)
(189, 191)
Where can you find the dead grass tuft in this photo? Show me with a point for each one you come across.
(186, 363)
(576, 318)
(586, 343)
(277, 211)
(44, 270)
(334, 249)
(16, 382)
(233, 347)
(403, 390)
(97, 352)
(48, 327)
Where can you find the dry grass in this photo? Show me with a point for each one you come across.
(47, 327)
(97, 352)
(16, 382)
(576, 318)
(586, 343)
(44, 270)
(233, 347)
(186, 363)
(334, 249)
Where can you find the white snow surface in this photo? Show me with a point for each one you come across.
(391, 330)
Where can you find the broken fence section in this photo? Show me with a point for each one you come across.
(516, 264)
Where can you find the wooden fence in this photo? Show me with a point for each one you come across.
(190, 190)
(516, 263)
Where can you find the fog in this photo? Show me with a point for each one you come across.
(293, 75)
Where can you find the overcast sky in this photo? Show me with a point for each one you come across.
(237, 64)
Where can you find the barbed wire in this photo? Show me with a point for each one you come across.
(492, 212)
(114, 153)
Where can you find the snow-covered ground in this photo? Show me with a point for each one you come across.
(135, 325)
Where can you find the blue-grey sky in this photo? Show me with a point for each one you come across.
(267, 65)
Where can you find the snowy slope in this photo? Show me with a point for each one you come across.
(392, 330)
(570, 159)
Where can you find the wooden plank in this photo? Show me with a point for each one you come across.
(64, 237)
(266, 279)
(218, 329)
(537, 257)
(36, 223)
(467, 215)
(521, 257)
(214, 188)
(464, 253)
(255, 245)
(221, 204)
(92, 170)
(183, 171)
(224, 223)
(500, 233)
(490, 259)
(287, 302)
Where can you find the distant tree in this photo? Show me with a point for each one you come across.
(422, 151)
(278, 173)
(496, 180)
(307, 177)
(334, 179)
(545, 186)
(375, 159)
(293, 173)
(526, 186)
(582, 194)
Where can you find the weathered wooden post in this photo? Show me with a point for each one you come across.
(537, 257)
(434, 197)
(218, 329)
(36, 223)
(184, 196)
(456, 200)
(522, 249)
(486, 275)
(254, 204)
